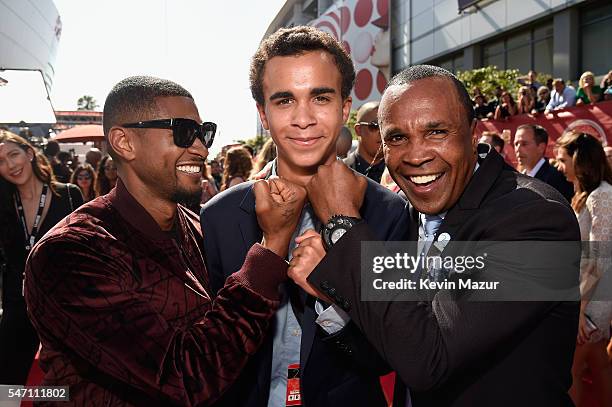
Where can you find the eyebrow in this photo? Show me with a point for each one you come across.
(281, 95)
(434, 125)
(313, 92)
(320, 91)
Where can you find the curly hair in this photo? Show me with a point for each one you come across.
(298, 41)
(237, 164)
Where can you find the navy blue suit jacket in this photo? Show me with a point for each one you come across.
(337, 370)
(555, 179)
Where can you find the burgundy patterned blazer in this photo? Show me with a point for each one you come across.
(124, 311)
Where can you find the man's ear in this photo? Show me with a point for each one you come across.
(474, 134)
(122, 143)
(346, 109)
(262, 116)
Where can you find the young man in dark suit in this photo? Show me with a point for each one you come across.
(530, 143)
(301, 80)
(454, 349)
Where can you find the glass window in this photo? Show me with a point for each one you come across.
(493, 48)
(543, 56)
(596, 39)
(518, 40)
(458, 63)
(496, 60)
(543, 31)
(519, 58)
(592, 14)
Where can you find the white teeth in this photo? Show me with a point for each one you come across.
(425, 179)
(190, 169)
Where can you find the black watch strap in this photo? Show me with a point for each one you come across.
(336, 227)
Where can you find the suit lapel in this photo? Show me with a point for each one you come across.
(476, 190)
(251, 233)
(249, 228)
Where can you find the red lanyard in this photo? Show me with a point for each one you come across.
(30, 238)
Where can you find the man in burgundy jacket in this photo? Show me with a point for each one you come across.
(118, 290)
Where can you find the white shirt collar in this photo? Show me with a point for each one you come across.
(537, 167)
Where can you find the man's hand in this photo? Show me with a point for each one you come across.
(278, 205)
(336, 190)
(306, 256)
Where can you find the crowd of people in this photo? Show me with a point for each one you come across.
(253, 297)
(535, 98)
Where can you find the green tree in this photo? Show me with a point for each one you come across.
(487, 79)
(350, 123)
(87, 102)
(256, 142)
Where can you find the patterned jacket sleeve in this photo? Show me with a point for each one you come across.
(79, 298)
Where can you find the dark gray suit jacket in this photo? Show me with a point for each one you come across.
(465, 353)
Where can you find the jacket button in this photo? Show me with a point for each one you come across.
(331, 291)
(325, 285)
(346, 305)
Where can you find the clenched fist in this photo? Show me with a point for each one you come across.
(336, 190)
(306, 257)
(278, 205)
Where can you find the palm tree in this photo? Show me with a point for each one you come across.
(87, 102)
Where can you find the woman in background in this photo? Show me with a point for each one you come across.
(582, 160)
(265, 156)
(107, 176)
(506, 108)
(587, 92)
(526, 102)
(84, 177)
(236, 167)
(31, 203)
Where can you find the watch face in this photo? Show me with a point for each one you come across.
(337, 234)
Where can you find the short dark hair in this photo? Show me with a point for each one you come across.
(52, 148)
(418, 72)
(133, 99)
(497, 141)
(540, 135)
(297, 41)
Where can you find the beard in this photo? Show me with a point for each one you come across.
(186, 197)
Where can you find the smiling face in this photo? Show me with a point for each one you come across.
(172, 173)
(430, 147)
(15, 163)
(304, 110)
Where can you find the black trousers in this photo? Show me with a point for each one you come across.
(18, 344)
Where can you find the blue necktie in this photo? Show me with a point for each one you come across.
(431, 226)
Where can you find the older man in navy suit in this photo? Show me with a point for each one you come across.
(453, 348)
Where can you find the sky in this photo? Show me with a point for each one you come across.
(204, 45)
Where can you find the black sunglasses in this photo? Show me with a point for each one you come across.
(184, 131)
(371, 125)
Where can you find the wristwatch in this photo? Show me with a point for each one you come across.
(335, 228)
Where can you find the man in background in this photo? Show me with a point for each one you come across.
(530, 143)
(344, 142)
(367, 159)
